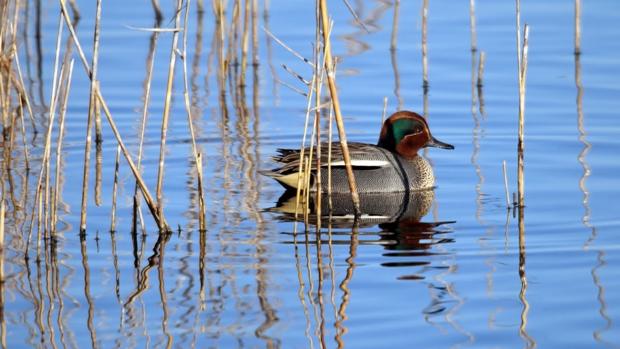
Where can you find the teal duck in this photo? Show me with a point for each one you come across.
(393, 165)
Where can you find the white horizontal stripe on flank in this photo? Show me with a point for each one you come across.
(363, 163)
(364, 216)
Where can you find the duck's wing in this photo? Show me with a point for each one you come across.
(361, 154)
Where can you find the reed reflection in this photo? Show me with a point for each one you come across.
(391, 220)
(598, 333)
(530, 342)
(393, 55)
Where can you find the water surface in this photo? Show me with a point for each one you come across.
(455, 274)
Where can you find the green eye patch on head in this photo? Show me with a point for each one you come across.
(404, 127)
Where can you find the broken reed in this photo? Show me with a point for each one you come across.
(425, 46)
(167, 107)
(522, 75)
(92, 105)
(190, 123)
(577, 27)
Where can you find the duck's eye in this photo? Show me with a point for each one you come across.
(417, 130)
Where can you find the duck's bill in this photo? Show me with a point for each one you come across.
(439, 144)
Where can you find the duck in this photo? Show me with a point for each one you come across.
(392, 165)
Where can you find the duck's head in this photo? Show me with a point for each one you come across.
(405, 132)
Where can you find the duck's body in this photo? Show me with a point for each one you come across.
(392, 165)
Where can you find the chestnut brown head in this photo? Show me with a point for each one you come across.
(405, 132)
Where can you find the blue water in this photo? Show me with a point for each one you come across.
(469, 282)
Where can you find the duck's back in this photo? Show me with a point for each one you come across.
(382, 171)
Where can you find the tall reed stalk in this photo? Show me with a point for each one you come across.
(59, 141)
(92, 105)
(190, 122)
(425, 46)
(577, 27)
(331, 81)
(115, 189)
(167, 106)
(522, 75)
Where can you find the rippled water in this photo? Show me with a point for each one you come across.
(461, 277)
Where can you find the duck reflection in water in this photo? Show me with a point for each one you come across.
(396, 214)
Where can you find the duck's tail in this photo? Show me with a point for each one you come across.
(288, 180)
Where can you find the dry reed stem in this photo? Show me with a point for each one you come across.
(295, 74)
(166, 114)
(2, 212)
(317, 113)
(302, 157)
(506, 183)
(271, 35)
(292, 88)
(76, 42)
(24, 94)
(318, 165)
(92, 105)
(521, 74)
(383, 114)
(310, 157)
(245, 39)
(115, 189)
(518, 10)
(15, 82)
(521, 145)
(145, 109)
(472, 24)
(98, 155)
(47, 149)
(302, 150)
(577, 27)
(25, 98)
(53, 104)
(61, 132)
(190, 123)
(329, 65)
(424, 44)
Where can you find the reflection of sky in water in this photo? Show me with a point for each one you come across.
(258, 283)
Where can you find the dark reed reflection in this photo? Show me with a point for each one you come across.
(530, 342)
(478, 133)
(393, 54)
(90, 321)
(601, 263)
